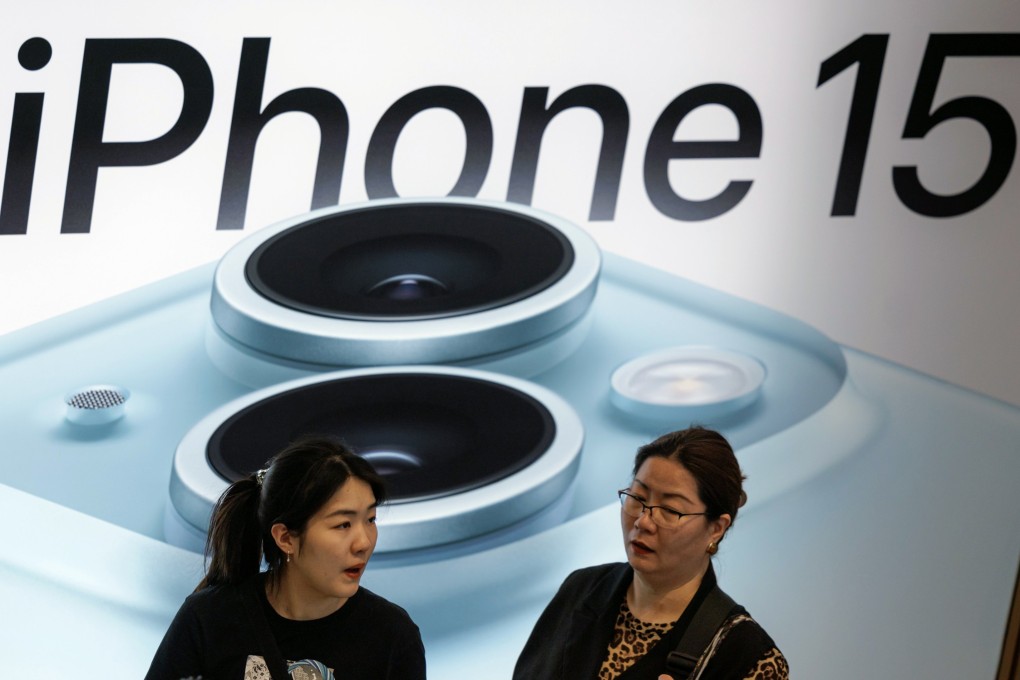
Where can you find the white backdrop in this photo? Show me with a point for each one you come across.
(933, 293)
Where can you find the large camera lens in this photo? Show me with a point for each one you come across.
(405, 281)
(463, 452)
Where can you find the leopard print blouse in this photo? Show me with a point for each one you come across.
(632, 638)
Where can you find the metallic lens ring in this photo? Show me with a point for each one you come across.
(254, 321)
(414, 524)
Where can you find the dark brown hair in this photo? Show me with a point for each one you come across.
(296, 483)
(710, 459)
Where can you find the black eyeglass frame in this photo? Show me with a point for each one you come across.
(663, 509)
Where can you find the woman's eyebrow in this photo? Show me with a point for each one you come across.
(664, 494)
(351, 513)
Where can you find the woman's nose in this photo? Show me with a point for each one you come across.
(644, 520)
(362, 539)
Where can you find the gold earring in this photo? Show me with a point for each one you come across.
(712, 548)
(288, 558)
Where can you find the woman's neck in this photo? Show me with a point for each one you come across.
(292, 601)
(663, 600)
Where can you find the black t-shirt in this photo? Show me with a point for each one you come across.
(211, 638)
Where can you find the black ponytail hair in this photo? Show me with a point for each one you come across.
(296, 483)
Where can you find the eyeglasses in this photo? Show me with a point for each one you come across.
(667, 518)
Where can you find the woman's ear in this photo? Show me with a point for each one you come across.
(720, 525)
(286, 540)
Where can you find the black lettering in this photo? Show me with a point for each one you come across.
(868, 53)
(23, 148)
(535, 118)
(477, 130)
(89, 152)
(662, 149)
(248, 122)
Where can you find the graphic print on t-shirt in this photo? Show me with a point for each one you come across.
(305, 669)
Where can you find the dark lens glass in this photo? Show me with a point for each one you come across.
(429, 435)
(408, 287)
(409, 262)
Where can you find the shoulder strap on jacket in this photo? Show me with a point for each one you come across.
(714, 610)
(267, 643)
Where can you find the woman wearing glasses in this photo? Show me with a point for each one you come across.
(660, 614)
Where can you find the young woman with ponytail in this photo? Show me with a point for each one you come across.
(310, 516)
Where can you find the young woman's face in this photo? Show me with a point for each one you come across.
(669, 553)
(329, 558)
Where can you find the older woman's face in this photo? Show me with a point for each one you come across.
(679, 552)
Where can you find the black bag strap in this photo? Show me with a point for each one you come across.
(714, 610)
(257, 617)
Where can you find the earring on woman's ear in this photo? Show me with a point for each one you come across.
(712, 548)
(288, 558)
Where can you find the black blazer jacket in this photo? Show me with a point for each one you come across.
(572, 636)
